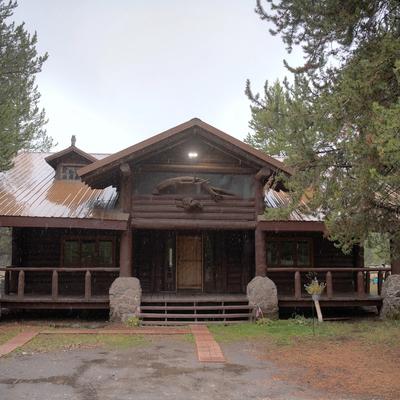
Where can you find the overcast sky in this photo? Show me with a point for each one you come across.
(121, 71)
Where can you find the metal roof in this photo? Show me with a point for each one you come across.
(30, 190)
(279, 199)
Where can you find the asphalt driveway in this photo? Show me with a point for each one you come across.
(166, 368)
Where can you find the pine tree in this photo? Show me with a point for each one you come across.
(338, 124)
(21, 119)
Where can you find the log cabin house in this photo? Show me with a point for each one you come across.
(182, 211)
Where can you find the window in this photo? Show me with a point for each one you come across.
(68, 172)
(289, 252)
(88, 252)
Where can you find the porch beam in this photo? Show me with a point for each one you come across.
(69, 223)
(201, 167)
(290, 226)
(142, 223)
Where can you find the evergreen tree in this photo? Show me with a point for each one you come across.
(21, 120)
(338, 124)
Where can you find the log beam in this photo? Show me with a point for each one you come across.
(394, 261)
(263, 174)
(260, 253)
(125, 254)
(126, 187)
(395, 266)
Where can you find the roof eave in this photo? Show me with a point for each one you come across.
(110, 162)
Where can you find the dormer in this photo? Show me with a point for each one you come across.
(67, 162)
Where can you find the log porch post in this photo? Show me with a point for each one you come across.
(260, 253)
(394, 261)
(259, 239)
(125, 247)
(395, 266)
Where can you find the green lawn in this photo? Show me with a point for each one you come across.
(286, 331)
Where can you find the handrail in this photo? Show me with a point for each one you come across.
(54, 278)
(59, 269)
(326, 269)
(362, 279)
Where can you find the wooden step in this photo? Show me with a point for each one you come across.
(163, 323)
(176, 307)
(194, 316)
(194, 299)
(184, 310)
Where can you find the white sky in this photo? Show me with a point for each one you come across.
(121, 71)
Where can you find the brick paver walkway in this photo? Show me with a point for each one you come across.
(208, 349)
(17, 341)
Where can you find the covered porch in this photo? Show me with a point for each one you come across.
(72, 269)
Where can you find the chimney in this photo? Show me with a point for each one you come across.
(73, 140)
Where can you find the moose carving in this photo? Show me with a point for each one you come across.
(192, 185)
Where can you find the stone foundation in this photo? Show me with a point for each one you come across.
(125, 297)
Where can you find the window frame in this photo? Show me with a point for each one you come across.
(81, 239)
(60, 171)
(280, 240)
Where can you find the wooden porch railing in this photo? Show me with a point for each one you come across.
(54, 278)
(362, 280)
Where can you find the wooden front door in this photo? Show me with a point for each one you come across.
(189, 268)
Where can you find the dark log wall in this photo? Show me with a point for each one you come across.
(228, 260)
(324, 254)
(170, 208)
(34, 247)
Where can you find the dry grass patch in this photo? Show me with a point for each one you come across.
(7, 332)
(48, 342)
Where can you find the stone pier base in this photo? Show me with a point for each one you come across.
(262, 292)
(125, 298)
(391, 298)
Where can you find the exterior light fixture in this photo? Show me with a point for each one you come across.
(192, 155)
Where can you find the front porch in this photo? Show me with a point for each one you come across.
(368, 290)
(73, 269)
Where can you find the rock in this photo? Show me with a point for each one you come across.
(125, 297)
(262, 292)
(391, 298)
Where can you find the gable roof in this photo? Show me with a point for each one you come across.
(140, 148)
(52, 158)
